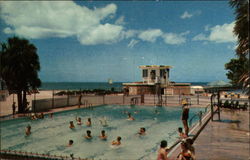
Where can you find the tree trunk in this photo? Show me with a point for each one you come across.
(20, 102)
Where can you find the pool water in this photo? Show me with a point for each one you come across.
(51, 135)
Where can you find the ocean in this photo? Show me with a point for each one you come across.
(92, 85)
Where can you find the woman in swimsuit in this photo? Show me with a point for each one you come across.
(185, 154)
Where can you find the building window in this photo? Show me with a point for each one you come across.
(162, 72)
(168, 72)
(152, 74)
(144, 73)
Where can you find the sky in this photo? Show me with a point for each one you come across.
(92, 41)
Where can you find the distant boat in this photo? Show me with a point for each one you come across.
(110, 81)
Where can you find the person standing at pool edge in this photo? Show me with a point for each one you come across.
(14, 108)
(184, 117)
(80, 100)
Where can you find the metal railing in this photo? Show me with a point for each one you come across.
(199, 115)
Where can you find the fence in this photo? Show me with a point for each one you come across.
(50, 99)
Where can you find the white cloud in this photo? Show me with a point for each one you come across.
(223, 33)
(173, 38)
(120, 21)
(101, 34)
(200, 37)
(130, 33)
(150, 35)
(219, 34)
(43, 19)
(132, 43)
(46, 19)
(186, 15)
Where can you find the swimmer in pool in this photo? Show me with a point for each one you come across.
(70, 143)
(142, 131)
(28, 130)
(88, 135)
(117, 142)
(71, 125)
(79, 121)
(131, 118)
(103, 135)
(88, 123)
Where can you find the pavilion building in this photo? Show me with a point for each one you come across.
(155, 80)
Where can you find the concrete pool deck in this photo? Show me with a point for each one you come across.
(226, 139)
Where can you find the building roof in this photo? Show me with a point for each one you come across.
(138, 84)
(155, 67)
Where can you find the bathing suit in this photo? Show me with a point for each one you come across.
(187, 155)
(185, 113)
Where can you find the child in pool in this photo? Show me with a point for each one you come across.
(182, 135)
(142, 131)
(70, 143)
(88, 123)
(28, 130)
(71, 125)
(117, 142)
(103, 135)
(79, 121)
(131, 118)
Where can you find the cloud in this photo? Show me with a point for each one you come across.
(200, 37)
(45, 19)
(120, 21)
(150, 35)
(218, 34)
(132, 43)
(175, 39)
(223, 33)
(186, 15)
(101, 34)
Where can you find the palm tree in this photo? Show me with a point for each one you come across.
(241, 30)
(19, 66)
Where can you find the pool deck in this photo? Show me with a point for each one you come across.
(226, 139)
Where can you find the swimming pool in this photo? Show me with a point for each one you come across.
(51, 135)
